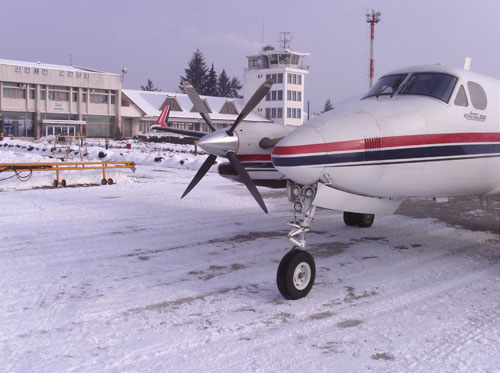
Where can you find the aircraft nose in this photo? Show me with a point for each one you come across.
(298, 155)
(219, 143)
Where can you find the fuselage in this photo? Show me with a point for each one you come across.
(425, 131)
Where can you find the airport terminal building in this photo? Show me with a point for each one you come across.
(40, 99)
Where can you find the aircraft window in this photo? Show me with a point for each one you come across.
(477, 96)
(386, 85)
(436, 85)
(461, 99)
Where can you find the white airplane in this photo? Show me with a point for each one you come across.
(423, 131)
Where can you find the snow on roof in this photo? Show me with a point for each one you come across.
(151, 102)
(50, 66)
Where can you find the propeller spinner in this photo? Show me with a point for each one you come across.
(224, 143)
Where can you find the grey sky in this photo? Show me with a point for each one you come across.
(156, 39)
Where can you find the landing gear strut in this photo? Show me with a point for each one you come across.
(297, 271)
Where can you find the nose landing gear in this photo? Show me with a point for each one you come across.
(297, 271)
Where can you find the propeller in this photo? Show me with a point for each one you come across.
(259, 94)
(223, 143)
(197, 103)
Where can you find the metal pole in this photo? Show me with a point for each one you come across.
(372, 18)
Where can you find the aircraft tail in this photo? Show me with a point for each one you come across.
(163, 118)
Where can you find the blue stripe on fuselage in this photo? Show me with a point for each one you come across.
(388, 155)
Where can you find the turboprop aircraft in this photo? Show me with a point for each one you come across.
(425, 131)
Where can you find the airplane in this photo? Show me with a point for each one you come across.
(428, 131)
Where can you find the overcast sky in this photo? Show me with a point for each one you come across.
(156, 39)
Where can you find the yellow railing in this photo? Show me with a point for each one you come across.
(67, 166)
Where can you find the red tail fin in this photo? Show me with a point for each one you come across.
(163, 118)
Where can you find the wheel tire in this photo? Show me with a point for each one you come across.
(351, 218)
(294, 266)
(55, 183)
(366, 220)
(110, 181)
(63, 182)
(104, 181)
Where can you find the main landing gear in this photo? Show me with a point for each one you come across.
(361, 220)
(297, 271)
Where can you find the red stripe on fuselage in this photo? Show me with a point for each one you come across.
(389, 142)
(254, 157)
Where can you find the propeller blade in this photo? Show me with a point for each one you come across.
(245, 178)
(201, 172)
(251, 104)
(198, 104)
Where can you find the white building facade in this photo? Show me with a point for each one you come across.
(285, 102)
(39, 99)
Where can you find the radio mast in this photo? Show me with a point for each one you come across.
(372, 18)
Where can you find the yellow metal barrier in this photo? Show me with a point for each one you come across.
(67, 166)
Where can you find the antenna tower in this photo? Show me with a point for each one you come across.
(372, 18)
(285, 39)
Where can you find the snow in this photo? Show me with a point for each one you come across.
(129, 277)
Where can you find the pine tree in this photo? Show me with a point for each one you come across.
(196, 73)
(150, 87)
(211, 88)
(328, 106)
(224, 86)
(235, 86)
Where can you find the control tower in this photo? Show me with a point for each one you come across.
(285, 101)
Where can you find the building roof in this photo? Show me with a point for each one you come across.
(151, 104)
(279, 51)
(50, 66)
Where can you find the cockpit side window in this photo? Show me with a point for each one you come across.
(477, 96)
(437, 85)
(387, 85)
(461, 99)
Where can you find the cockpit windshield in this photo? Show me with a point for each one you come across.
(436, 85)
(386, 85)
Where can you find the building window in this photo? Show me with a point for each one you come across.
(18, 69)
(17, 124)
(299, 96)
(273, 95)
(273, 112)
(61, 73)
(86, 76)
(78, 75)
(99, 96)
(58, 93)
(74, 96)
(27, 70)
(32, 94)
(14, 90)
(70, 74)
(36, 70)
(276, 78)
(43, 92)
(280, 95)
(288, 112)
(299, 79)
(268, 113)
(279, 114)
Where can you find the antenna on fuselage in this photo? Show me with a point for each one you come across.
(467, 63)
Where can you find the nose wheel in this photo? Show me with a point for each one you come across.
(296, 274)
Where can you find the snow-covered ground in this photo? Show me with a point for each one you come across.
(128, 277)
